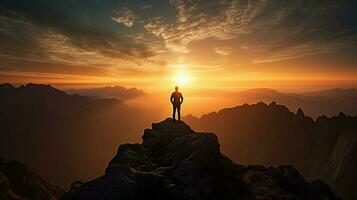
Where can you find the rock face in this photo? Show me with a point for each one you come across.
(175, 162)
(17, 182)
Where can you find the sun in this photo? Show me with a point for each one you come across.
(182, 78)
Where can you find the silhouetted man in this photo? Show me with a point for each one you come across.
(176, 100)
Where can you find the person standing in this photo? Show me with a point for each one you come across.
(176, 100)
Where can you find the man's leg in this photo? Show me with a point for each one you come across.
(174, 112)
(179, 112)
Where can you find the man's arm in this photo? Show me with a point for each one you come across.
(171, 98)
(181, 97)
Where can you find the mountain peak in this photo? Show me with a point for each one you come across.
(33, 89)
(175, 162)
(167, 128)
(38, 86)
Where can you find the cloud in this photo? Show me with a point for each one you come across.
(288, 28)
(147, 6)
(201, 20)
(72, 33)
(224, 51)
(296, 51)
(31, 34)
(124, 16)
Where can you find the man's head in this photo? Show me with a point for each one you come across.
(176, 88)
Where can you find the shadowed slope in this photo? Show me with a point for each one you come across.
(17, 182)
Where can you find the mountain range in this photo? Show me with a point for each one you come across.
(317, 103)
(326, 102)
(117, 92)
(56, 134)
(271, 135)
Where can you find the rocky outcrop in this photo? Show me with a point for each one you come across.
(175, 162)
(17, 182)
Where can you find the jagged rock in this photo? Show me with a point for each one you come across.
(73, 191)
(273, 103)
(300, 113)
(341, 114)
(175, 162)
(128, 155)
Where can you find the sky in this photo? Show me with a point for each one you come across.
(153, 45)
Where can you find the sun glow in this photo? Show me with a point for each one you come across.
(182, 78)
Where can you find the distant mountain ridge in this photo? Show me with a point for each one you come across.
(45, 98)
(272, 135)
(325, 102)
(335, 92)
(117, 92)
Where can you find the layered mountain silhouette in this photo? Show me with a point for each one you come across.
(63, 136)
(326, 102)
(271, 135)
(117, 92)
(17, 182)
(71, 137)
(175, 162)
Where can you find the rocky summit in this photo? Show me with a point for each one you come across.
(175, 162)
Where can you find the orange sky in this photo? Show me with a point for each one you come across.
(154, 45)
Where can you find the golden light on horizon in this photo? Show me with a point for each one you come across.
(182, 78)
(181, 75)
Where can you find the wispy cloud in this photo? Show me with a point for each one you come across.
(124, 16)
(286, 28)
(224, 51)
(31, 35)
(197, 21)
(147, 6)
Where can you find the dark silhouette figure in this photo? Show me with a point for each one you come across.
(176, 100)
